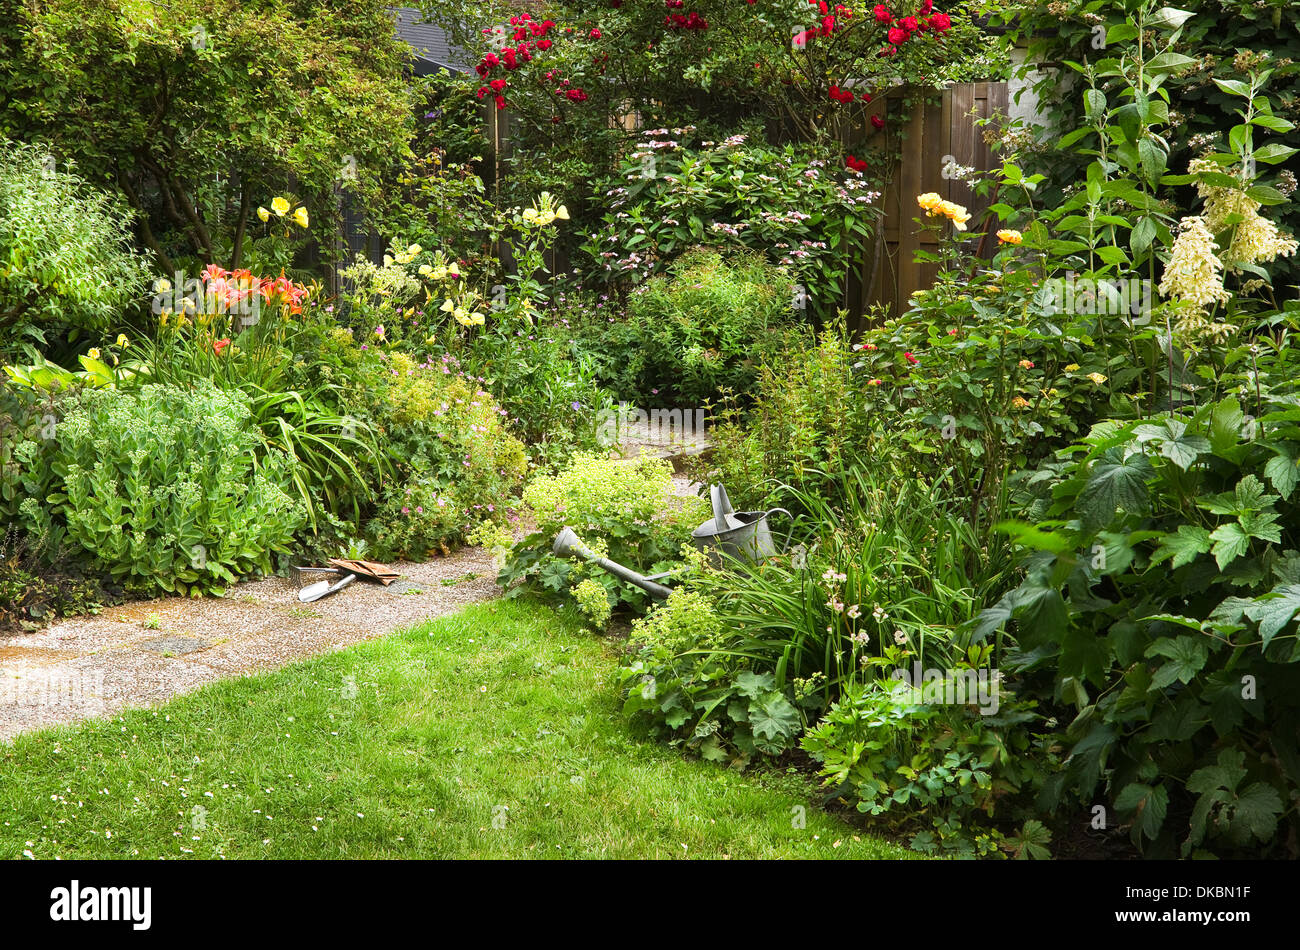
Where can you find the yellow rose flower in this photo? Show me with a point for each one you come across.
(301, 217)
(280, 206)
(929, 201)
(1020, 402)
(1097, 378)
(1010, 236)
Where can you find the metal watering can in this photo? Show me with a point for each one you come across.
(742, 534)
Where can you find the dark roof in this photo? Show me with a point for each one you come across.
(429, 43)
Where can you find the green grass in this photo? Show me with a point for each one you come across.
(407, 746)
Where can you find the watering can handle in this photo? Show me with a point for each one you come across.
(790, 534)
(721, 505)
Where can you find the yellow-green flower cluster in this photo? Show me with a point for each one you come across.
(1255, 239)
(1194, 273)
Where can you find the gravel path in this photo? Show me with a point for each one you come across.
(146, 652)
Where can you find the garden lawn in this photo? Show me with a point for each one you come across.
(491, 733)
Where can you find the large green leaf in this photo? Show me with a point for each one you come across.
(1274, 610)
(1185, 657)
(1114, 483)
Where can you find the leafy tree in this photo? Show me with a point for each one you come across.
(66, 255)
(202, 110)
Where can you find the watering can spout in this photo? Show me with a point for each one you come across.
(568, 545)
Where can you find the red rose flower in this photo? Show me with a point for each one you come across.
(911, 359)
(882, 13)
(877, 122)
(897, 36)
(940, 22)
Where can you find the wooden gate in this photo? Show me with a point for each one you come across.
(938, 134)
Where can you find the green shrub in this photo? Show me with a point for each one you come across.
(621, 510)
(66, 255)
(912, 762)
(547, 385)
(700, 331)
(807, 427)
(162, 489)
(1157, 620)
(455, 461)
(796, 205)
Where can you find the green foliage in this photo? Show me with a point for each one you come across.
(1217, 52)
(162, 489)
(696, 334)
(1159, 602)
(680, 687)
(288, 368)
(795, 205)
(593, 600)
(259, 97)
(547, 384)
(620, 510)
(908, 762)
(449, 447)
(67, 263)
(808, 424)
